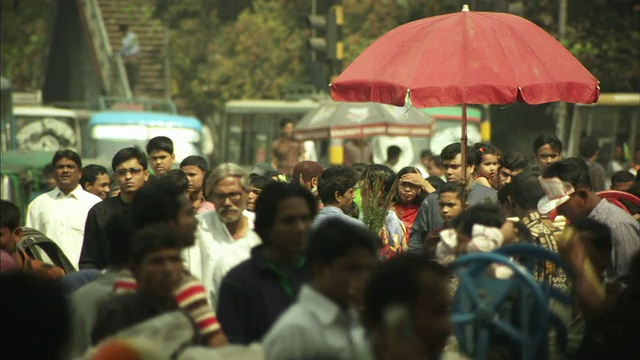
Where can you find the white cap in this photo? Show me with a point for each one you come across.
(557, 193)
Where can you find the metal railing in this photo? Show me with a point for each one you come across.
(110, 67)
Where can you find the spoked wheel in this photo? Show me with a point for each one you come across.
(508, 316)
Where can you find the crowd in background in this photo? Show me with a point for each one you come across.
(292, 260)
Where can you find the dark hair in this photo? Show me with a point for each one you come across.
(437, 161)
(588, 147)
(452, 150)
(452, 187)
(66, 154)
(622, 176)
(487, 214)
(90, 174)
(178, 177)
(285, 121)
(152, 237)
(159, 201)
(127, 154)
(380, 172)
(436, 181)
(393, 152)
(28, 299)
(399, 281)
(547, 139)
(525, 190)
(336, 178)
(571, 170)
(267, 205)
(119, 229)
(599, 234)
(358, 168)
(307, 170)
(514, 160)
(408, 170)
(195, 160)
(162, 143)
(484, 149)
(260, 181)
(336, 237)
(123, 27)
(9, 215)
(425, 153)
(48, 169)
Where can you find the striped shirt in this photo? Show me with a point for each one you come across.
(190, 296)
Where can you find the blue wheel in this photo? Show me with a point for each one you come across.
(509, 315)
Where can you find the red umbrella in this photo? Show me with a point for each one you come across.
(466, 58)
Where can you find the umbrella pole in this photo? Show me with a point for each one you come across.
(463, 143)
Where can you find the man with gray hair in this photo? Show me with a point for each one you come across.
(224, 237)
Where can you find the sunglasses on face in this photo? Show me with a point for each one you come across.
(124, 172)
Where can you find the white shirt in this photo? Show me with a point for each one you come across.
(216, 252)
(61, 218)
(315, 327)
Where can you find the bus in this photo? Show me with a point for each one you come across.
(111, 131)
(614, 120)
(249, 127)
(6, 118)
(46, 128)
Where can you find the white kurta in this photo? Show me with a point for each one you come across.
(216, 252)
(61, 218)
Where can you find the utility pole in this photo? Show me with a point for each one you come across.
(561, 106)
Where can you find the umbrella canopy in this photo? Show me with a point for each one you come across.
(466, 58)
(348, 120)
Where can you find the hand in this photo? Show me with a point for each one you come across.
(417, 179)
(509, 232)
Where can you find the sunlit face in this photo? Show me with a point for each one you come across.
(450, 206)
(287, 130)
(407, 192)
(161, 161)
(100, 187)
(130, 176)
(196, 178)
(546, 156)
(253, 198)
(291, 225)
(229, 199)
(489, 166)
(345, 201)
(160, 272)
(67, 174)
(453, 169)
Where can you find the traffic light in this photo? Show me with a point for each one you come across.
(326, 41)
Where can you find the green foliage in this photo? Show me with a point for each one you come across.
(24, 30)
(375, 205)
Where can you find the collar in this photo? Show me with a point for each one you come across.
(74, 193)
(321, 306)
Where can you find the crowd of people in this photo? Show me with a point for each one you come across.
(344, 262)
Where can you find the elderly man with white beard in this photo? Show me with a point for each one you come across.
(224, 237)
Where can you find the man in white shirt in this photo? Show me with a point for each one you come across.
(224, 237)
(60, 214)
(323, 322)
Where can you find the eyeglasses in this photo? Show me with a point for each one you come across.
(233, 196)
(124, 172)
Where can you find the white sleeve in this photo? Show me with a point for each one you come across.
(279, 343)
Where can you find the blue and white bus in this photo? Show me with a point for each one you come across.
(111, 131)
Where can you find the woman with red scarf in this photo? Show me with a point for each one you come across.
(411, 190)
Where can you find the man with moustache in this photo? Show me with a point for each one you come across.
(224, 237)
(60, 213)
(130, 170)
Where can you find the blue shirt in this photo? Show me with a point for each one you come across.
(429, 217)
(329, 212)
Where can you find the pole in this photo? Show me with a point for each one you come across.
(561, 107)
(463, 154)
